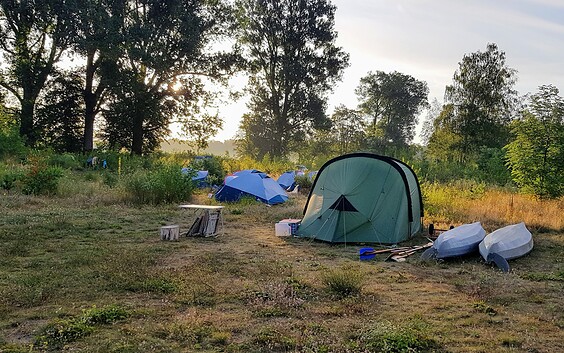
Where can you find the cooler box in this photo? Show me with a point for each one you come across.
(287, 227)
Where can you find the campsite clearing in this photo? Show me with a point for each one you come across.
(250, 291)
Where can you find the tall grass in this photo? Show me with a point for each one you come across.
(467, 201)
(165, 184)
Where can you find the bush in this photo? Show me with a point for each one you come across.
(9, 178)
(65, 161)
(41, 180)
(214, 166)
(11, 144)
(303, 181)
(57, 334)
(165, 184)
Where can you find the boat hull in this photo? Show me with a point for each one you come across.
(509, 242)
(459, 241)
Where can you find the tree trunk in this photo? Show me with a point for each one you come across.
(26, 120)
(88, 126)
(90, 101)
(137, 142)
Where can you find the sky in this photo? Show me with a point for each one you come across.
(428, 38)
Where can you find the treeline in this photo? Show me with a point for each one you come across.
(139, 65)
(483, 131)
(136, 65)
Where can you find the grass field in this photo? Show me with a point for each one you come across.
(86, 272)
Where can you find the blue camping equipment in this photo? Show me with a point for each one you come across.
(287, 180)
(199, 179)
(311, 175)
(251, 183)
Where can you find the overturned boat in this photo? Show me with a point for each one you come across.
(505, 244)
(458, 241)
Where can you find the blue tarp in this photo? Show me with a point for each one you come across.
(251, 183)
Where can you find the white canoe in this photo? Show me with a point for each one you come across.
(458, 241)
(507, 242)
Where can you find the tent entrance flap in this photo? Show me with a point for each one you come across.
(342, 204)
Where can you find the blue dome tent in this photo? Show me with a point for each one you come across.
(251, 183)
(287, 180)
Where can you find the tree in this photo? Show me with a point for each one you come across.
(444, 144)
(294, 62)
(347, 129)
(136, 118)
(166, 53)
(433, 113)
(392, 101)
(199, 129)
(33, 36)
(483, 100)
(98, 41)
(60, 112)
(536, 155)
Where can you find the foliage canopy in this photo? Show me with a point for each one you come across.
(294, 62)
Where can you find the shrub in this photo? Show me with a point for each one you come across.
(11, 144)
(303, 181)
(65, 161)
(165, 184)
(41, 180)
(9, 178)
(214, 166)
(104, 316)
(61, 332)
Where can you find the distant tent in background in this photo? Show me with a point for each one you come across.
(311, 175)
(240, 172)
(363, 197)
(287, 180)
(251, 183)
(199, 178)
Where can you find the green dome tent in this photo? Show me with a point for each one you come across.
(363, 197)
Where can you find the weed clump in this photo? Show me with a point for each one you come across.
(59, 333)
(388, 337)
(344, 282)
(484, 308)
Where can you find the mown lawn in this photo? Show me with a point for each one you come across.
(90, 274)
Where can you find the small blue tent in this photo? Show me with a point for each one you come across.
(287, 180)
(199, 179)
(251, 183)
